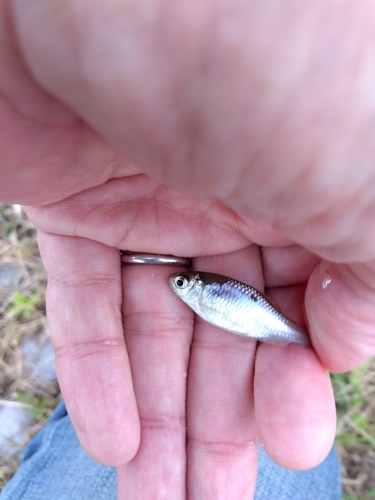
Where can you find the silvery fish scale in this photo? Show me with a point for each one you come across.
(237, 307)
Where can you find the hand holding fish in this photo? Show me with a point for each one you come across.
(207, 383)
(227, 146)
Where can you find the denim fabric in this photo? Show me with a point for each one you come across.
(55, 467)
(320, 483)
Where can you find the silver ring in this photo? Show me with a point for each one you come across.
(151, 258)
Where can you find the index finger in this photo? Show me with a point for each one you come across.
(84, 297)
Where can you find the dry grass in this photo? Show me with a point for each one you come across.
(22, 314)
(355, 437)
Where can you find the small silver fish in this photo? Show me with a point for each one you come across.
(236, 307)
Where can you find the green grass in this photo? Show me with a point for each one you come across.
(355, 437)
(23, 306)
(370, 495)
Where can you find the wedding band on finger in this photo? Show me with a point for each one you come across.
(151, 258)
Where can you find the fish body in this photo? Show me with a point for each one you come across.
(236, 307)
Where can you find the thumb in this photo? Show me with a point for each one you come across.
(340, 302)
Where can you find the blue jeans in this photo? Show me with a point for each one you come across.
(55, 467)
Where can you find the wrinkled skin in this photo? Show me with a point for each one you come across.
(109, 111)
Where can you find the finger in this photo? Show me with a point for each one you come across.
(222, 438)
(286, 272)
(294, 406)
(290, 299)
(148, 216)
(340, 303)
(138, 213)
(84, 309)
(294, 403)
(289, 265)
(158, 330)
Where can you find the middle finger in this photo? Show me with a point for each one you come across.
(222, 442)
(158, 329)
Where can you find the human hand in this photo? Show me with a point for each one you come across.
(267, 106)
(274, 130)
(284, 169)
(133, 364)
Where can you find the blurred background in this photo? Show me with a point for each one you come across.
(28, 385)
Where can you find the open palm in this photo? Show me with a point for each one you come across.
(136, 369)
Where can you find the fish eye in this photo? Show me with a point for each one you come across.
(181, 282)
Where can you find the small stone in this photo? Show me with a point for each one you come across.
(45, 367)
(10, 276)
(15, 420)
(39, 358)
